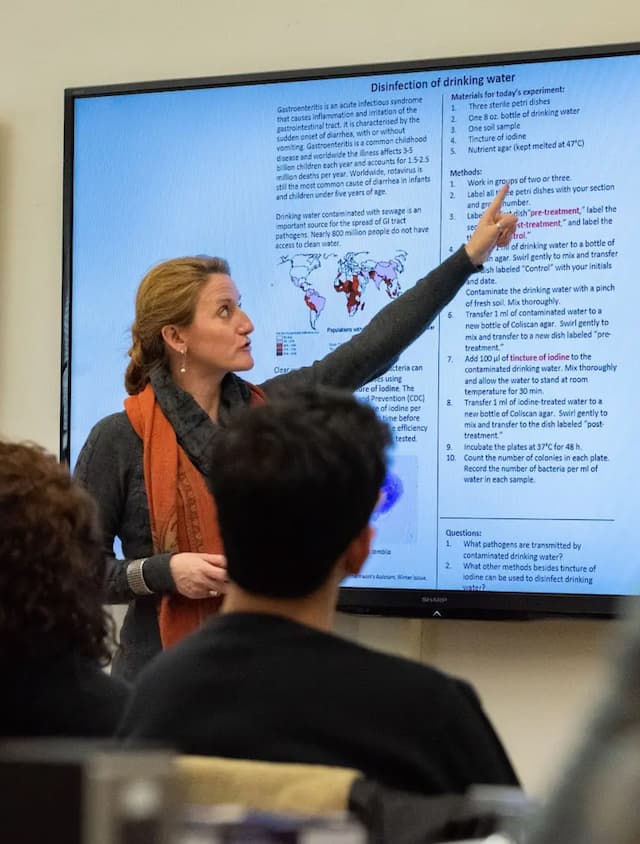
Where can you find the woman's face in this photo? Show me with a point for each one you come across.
(217, 340)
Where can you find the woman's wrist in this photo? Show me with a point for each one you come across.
(157, 574)
(135, 577)
(474, 256)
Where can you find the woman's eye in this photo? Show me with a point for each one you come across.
(224, 311)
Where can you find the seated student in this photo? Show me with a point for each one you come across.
(53, 629)
(295, 482)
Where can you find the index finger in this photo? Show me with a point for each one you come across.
(493, 209)
(215, 559)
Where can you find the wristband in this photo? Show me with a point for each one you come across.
(135, 578)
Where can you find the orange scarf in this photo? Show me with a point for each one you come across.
(182, 511)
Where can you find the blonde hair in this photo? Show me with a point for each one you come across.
(167, 295)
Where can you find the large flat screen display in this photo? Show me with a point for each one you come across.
(513, 486)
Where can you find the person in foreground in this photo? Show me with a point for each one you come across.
(145, 466)
(295, 482)
(54, 633)
(595, 799)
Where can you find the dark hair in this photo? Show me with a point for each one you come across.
(51, 561)
(295, 481)
(167, 295)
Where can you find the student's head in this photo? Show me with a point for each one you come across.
(295, 482)
(51, 562)
(188, 316)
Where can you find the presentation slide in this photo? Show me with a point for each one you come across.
(516, 450)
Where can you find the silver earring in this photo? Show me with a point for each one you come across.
(183, 363)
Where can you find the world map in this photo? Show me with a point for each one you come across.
(352, 274)
(392, 490)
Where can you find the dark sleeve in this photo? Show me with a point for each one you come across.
(477, 752)
(103, 701)
(150, 712)
(378, 346)
(110, 468)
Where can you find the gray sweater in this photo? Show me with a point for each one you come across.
(110, 463)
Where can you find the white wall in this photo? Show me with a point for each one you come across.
(536, 679)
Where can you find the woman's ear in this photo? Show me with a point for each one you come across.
(173, 338)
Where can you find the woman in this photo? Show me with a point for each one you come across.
(145, 466)
(54, 633)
